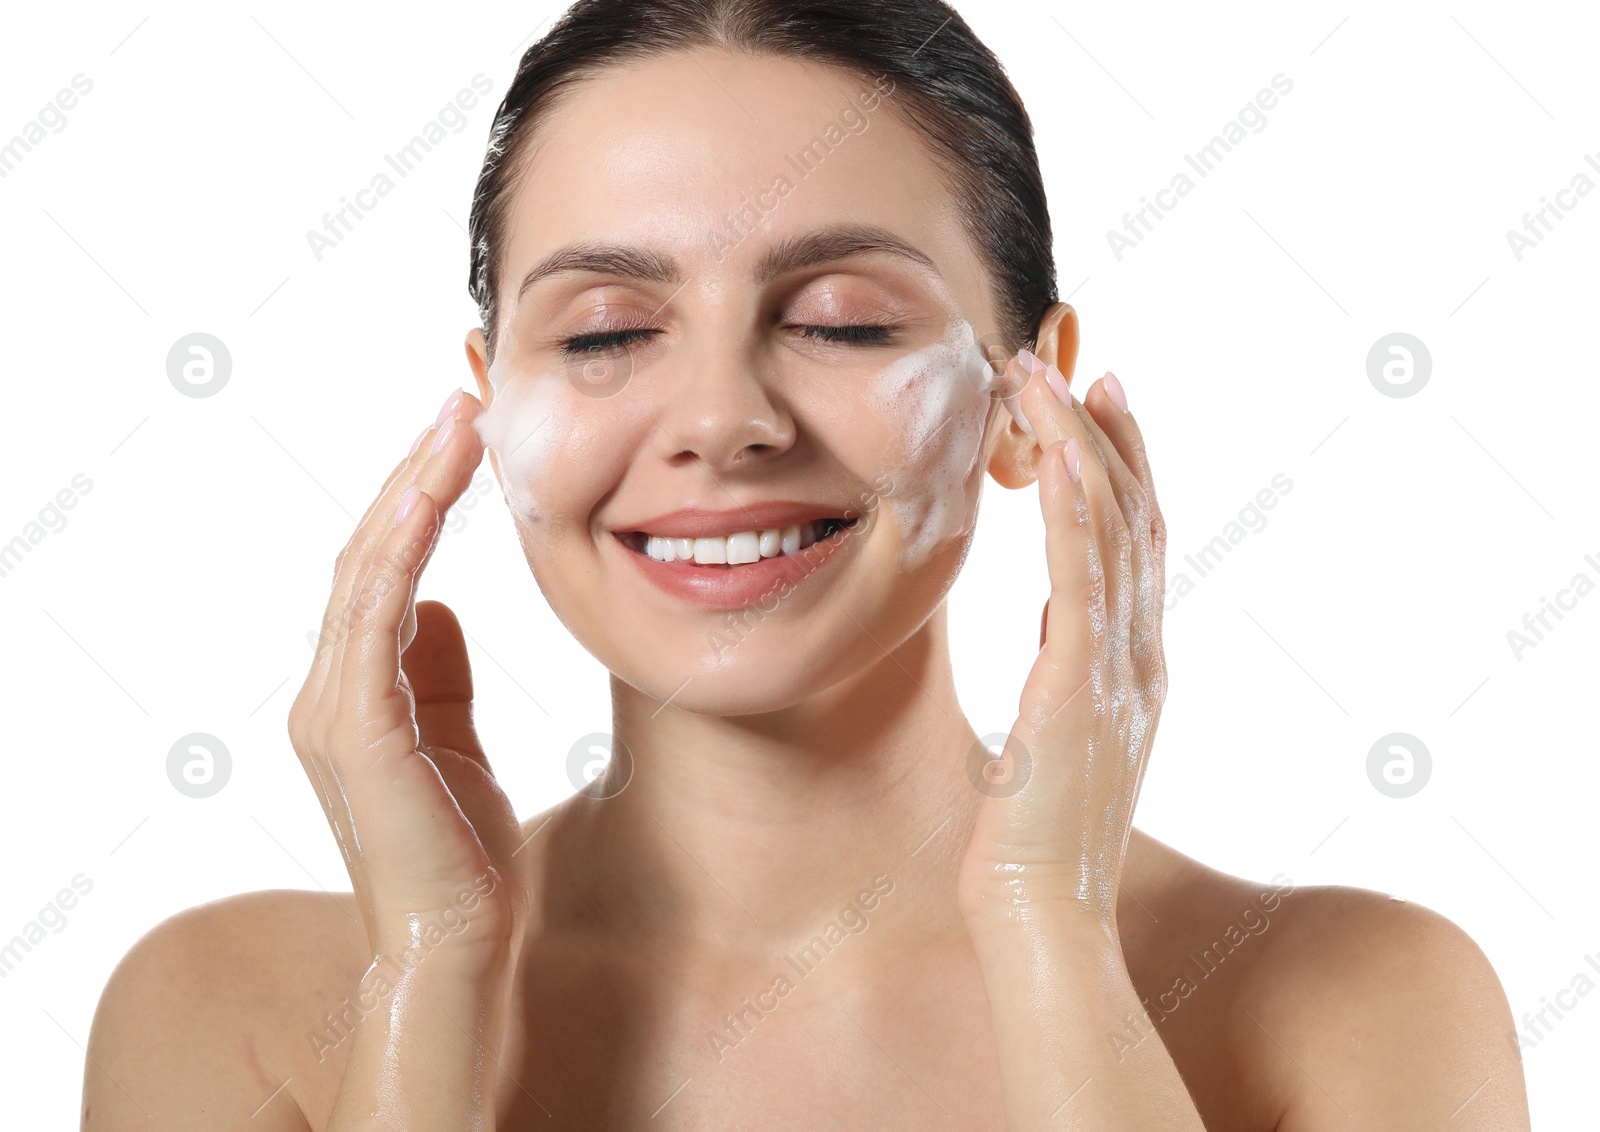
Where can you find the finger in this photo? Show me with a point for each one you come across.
(1081, 647)
(1132, 609)
(1052, 418)
(420, 466)
(1074, 623)
(374, 724)
(1149, 528)
(443, 475)
(1008, 388)
(1053, 379)
(373, 700)
(440, 674)
(1145, 581)
(397, 483)
(1073, 788)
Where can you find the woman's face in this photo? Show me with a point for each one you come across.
(669, 380)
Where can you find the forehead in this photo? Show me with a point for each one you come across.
(714, 157)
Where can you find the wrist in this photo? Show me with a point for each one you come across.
(1001, 920)
(470, 955)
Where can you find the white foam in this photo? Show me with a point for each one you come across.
(933, 400)
(523, 426)
(929, 408)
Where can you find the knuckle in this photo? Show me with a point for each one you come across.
(1121, 544)
(302, 726)
(365, 609)
(1138, 505)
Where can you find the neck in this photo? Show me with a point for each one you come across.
(753, 831)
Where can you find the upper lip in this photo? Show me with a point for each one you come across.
(697, 522)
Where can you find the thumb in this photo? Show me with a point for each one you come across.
(439, 671)
(440, 674)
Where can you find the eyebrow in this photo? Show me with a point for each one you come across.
(827, 245)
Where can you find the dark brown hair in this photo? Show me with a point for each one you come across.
(946, 84)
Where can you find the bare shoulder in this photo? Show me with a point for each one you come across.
(198, 1026)
(1351, 1007)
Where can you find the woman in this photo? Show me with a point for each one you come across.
(743, 265)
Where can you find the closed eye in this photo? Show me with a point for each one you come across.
(580, 344)
(854, 335)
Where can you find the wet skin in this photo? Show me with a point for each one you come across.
(1010, 959)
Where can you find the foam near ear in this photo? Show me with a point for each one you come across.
(937, 414)
(523, 426)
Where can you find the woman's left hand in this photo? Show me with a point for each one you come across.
(1038, 885)
(1053, 828)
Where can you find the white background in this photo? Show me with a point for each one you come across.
(1377, 599)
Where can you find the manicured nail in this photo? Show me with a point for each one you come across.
(1057, 384)
(1030, 363)
(1114, 391)
(408, 503)
(449, 404)
(417, 443)
(1072, 456)
(443, 435)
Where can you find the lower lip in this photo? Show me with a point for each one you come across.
(716, 587)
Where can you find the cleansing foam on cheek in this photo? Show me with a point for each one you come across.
(936, 402)
(524, 425)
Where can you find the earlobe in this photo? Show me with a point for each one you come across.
(1014, 457)
(1014, 460)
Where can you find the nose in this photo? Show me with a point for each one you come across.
(721, 410)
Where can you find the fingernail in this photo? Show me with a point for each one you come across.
(1057, 384)
(1072, 456)
(1031, 363)
(408, 502)
(443, 435)
(449, 404)
(1114, 391)
(417, 443)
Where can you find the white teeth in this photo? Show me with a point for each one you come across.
(710, 551)
(659, 548)
(736, 549)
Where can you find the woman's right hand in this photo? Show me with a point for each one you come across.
(383, 727)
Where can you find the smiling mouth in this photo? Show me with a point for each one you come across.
(729, 552)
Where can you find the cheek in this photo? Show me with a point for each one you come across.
(548, 440)
(930, 414)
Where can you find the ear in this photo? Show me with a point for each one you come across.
(478, 359)
(1014, 455)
